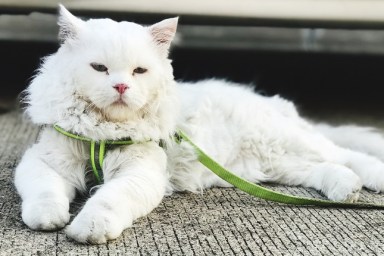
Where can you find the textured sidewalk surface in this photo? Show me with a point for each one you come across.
(218, 222)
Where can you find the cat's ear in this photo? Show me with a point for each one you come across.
(163, 32)
(69, 25)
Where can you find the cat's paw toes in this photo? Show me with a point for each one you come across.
(352, 197)
(45, 215)
(94, 227)
(344, 188)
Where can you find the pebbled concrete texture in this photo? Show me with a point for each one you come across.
(218, 222)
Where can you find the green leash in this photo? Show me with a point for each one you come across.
(264, 193)
(98, 150)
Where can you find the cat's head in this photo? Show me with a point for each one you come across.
(105, 72)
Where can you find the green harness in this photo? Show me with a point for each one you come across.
(98, 149)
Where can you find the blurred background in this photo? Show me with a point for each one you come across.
(325, 55)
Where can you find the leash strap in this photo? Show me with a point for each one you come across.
(260, 191)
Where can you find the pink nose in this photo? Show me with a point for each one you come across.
(121, 88)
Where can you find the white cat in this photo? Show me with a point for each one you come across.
(111, 80)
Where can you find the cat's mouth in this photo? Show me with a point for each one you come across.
(117, 111)
(119, 103)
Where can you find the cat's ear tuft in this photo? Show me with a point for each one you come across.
(163, 32)
(69, 25)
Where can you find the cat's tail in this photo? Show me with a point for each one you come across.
(368, 140)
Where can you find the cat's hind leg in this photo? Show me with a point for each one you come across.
(367, 140)
(364, 152)
(369, 168)
(335, 181)
(45, 194)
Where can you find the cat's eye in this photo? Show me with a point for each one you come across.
(99, 67)
(139, 70)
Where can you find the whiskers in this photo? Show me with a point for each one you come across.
(146, 110)
(91, 107)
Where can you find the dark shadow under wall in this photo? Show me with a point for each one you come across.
(303, 77)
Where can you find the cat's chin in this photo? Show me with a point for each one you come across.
(119, 104)
(118, 112)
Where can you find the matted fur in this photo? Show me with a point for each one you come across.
(260, 138)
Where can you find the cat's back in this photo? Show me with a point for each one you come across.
(231, 100)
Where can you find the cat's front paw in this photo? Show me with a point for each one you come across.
(45, 214)
(343, 187)
(95, 226)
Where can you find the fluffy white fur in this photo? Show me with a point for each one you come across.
(260, 138)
